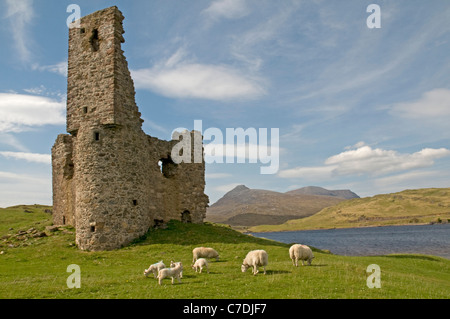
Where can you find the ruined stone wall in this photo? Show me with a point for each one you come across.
(63, 186)
(115, 190)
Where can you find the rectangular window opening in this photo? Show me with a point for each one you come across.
(92, 229)
(97, 136)
(85, 110)
(134, 202)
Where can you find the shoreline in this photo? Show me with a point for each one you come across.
(343, 227)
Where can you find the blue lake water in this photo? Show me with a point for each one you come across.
(370, 241)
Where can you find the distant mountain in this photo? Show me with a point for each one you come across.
(243, 206)
(314, 190)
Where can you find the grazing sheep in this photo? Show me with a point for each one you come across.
(255, 259)
(204, 252)
(199, 264)
(155, 268)
(173, 272)
(300, 252)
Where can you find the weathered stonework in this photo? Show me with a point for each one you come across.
(106, 179)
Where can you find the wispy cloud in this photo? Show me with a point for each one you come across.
(20, 112)
(181, 78)
(58, 68)
(20, 14)
(29, 157)
(12, 141)
(229, 9)
(217, 175)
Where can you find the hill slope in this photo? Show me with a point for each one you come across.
(314, 190)
(243, 206)
(406, 207)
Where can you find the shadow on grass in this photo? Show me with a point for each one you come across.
(312, 265)
(274, 272)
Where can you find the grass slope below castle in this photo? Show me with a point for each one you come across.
(36, 267)
(421, 206)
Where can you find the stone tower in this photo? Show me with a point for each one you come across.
(111, 181)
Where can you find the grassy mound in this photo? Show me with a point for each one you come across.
(36, 266)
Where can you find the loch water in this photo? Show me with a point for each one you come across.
(371, 241)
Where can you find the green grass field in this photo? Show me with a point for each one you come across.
(37, 267)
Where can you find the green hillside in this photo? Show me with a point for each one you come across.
(34, 259)
(407, 207)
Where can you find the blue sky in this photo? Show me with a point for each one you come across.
(356, 108)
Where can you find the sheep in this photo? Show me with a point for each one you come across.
(199, 264)
(173, 272)
(300, 252)
(204, 252)
(155, 268)
(173, 264)
(255, 259)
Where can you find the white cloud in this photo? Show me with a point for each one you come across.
(20, 112)
(29, 157)
(367, 161)
(179, 79)
(432, 104)
(229, 9)
(20, 14)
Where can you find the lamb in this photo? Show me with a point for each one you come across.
(173, 272)
(173, 264)
(199, 264)
(204, 252)
(155, 268)
(300, 252)
(255, 259)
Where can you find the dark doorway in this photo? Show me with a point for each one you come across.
(186, 217)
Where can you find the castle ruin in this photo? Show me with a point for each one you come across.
(111, 181)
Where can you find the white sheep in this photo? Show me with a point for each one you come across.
(172, 272)
(255, 259)
(173, 264)
(300, 252)
(200, 264)
(204, 252)
(155, 268)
